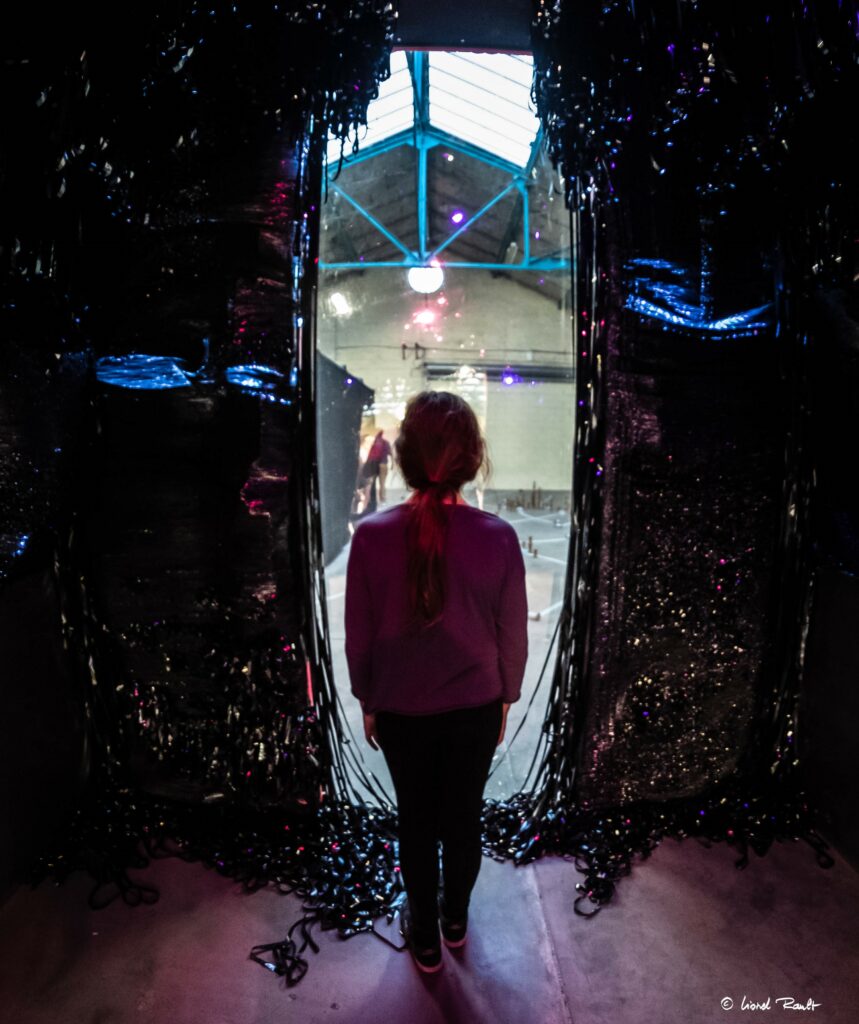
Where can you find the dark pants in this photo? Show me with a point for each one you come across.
(439, 765)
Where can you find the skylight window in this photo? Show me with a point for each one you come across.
(482, 99)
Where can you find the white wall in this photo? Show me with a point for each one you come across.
(483, 319)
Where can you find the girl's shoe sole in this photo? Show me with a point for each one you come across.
(429, 970)
(421, 967)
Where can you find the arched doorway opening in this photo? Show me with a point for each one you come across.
(445, 262)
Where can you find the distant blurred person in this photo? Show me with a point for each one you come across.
(364, 501)
(377, 463)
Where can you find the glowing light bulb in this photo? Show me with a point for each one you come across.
(457, 217)
(426, 280)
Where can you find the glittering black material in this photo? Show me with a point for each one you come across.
(158, 195)
(686, 134)
(733, 79)
(692, 463)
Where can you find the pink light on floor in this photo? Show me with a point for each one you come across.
(424, 317)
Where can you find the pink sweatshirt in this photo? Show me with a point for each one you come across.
(474, 655)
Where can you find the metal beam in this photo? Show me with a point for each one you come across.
(546, 266)
(419, 70)
(471, 220)
(434, 137)
(403, 138)
(526, 222)
(424, 137)
(376, 224)
(535, 152)
(518, 215)
(441, 138)
(422, 199)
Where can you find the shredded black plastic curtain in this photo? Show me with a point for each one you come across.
(708, 175)
(158, 195)
(160, 212)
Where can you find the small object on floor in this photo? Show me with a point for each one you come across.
(426, 958)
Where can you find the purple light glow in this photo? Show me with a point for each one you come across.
(457, 217)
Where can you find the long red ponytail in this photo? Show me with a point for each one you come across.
(439, 449)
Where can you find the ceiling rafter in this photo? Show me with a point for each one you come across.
(424, 136)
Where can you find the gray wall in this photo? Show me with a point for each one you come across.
(502, 24)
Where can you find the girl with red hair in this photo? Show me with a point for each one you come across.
(436, 643)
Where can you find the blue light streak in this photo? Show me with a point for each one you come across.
(683, 304)
(142, 372)
(260, 381)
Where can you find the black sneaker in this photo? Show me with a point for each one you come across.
(452, 930)
(427, 958)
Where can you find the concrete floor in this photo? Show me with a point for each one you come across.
(686, 931)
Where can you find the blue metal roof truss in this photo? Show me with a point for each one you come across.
(423, 137)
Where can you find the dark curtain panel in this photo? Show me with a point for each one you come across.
(340, 401)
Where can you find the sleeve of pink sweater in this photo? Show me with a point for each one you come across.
(359, 615)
